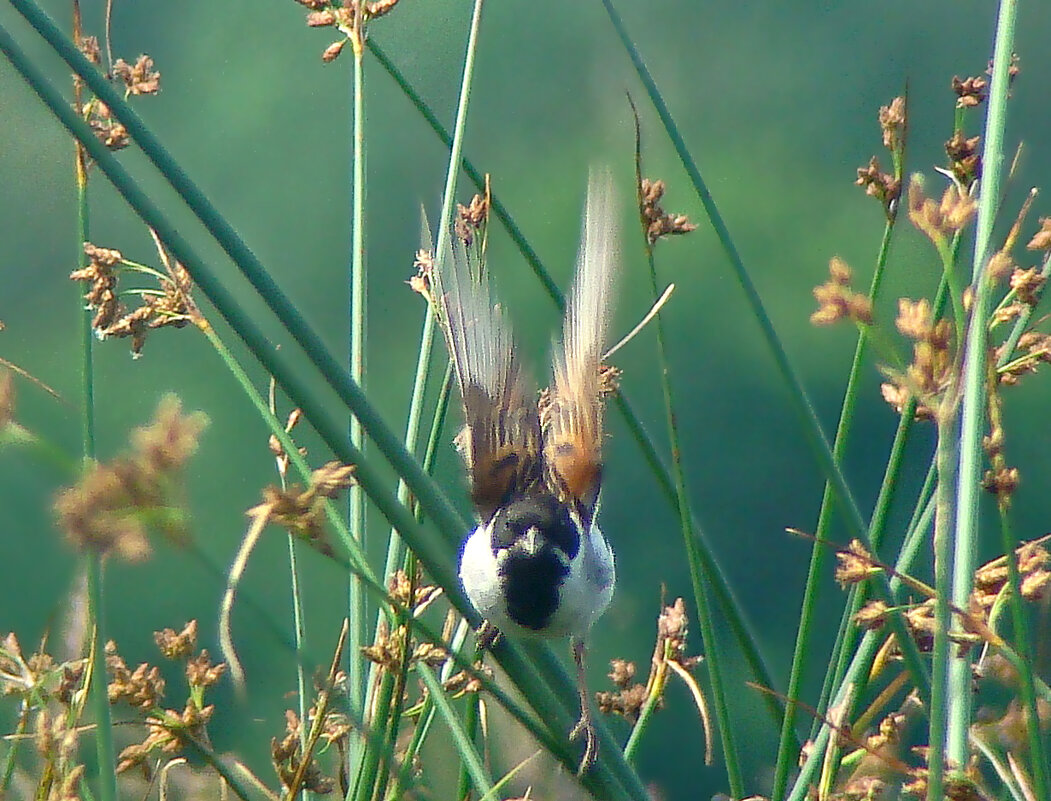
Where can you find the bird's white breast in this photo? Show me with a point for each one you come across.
(583, 596)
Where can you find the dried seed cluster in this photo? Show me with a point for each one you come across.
(657, 222)
(138, 79)
(168, 731)
(302, 510)
(350, 17)
(669, 655)
(111, 507)
(171, 304)
(837, 301)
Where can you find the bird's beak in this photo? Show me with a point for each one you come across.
(532, 541)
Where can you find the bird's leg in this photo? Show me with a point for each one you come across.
(585, 727)
(486, 635)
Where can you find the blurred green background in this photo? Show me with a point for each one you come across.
(778, 104)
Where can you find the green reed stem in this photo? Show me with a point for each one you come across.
(99, 692)
(943, 524)
(660, 681)
(470, 727)
(104, 749)
(464, 747)
(358, 335)
(425, 716)
(299, 631)
(973, 407)
(804, 408)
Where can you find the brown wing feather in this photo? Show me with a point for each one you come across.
(501, 437)
(572, 414)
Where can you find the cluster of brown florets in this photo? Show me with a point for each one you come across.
(171, 305)
(837, 300)
(940, 220)
(168, 731)
(473, 219)
(657, 222)
(286, 755)
(669, 657)
(301, 510)
(349, 17)
(396, 650)
(928, 374)
(886, 186)
(883, 765)
(924, 382)
(991, 583)
(111, 508)
(139, 78)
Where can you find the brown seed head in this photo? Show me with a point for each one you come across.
(892, 123)
(621, 672)
(168, 442)
(1000, 266)
(378, 8)
(177, 646)
(880, 185)
(332, 478)
(331, 53)
(969, 91)
(141, 79)
(915, 319)
(142, 687)
(89, 46)
(1041, 239)
(200, 672)
(837, 301)
(108, 509)
(1028, 285)
(471, 219)
(627, 703)
(964, 158)
(871, 616)
(321, 18)
(656, 221)
(855, 564)
(898, 396)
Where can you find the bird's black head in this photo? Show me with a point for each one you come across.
(542, 513)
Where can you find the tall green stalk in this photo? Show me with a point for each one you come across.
(299, 630)
(943, 524)
(358, 331)
(973, 406)
(104, 749)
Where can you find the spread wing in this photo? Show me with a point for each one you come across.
(572, 413)
(501, 437)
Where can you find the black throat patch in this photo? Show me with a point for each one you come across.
(533, 539)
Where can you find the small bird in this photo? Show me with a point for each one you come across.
(537, 564)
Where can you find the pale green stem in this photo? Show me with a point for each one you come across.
(973, 410)
(356, 691)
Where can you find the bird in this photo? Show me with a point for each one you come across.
(537, 564)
